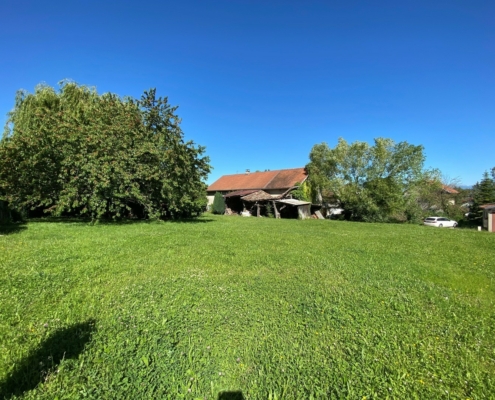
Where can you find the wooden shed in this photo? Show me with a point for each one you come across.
(303, 208)
(259, 198)
(233, 200)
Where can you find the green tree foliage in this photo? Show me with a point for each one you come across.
(303, 192)
(451, 203)
(483, 193)
(75, 151)
(218, 204)
(382, 182)
(269, 210)
(435, 199)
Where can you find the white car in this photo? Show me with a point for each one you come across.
(440, 222)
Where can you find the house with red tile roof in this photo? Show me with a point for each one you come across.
(275, 183)
(450, 193)
(449, 190)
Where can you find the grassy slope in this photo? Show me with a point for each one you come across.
(280, 308)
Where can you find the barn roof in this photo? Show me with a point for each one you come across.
(279, 179)
(258, 196)
(240, 193)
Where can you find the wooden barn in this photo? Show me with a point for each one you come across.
(262, 193)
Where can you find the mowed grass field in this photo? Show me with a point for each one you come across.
(246, 308)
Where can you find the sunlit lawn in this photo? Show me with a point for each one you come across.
(261, 308)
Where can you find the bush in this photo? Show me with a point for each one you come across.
(455, 212)
(218, 204)
(302, 192)
(269, 210)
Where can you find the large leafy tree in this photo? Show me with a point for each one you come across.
(75, 151)
(376, 182)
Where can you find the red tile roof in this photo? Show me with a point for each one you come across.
(449, 189)
(280, 179)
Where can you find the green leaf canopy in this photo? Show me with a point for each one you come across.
(75, 151)
(372, 183)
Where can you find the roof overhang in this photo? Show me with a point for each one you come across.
(240, 193)
(259, 195)
(293, 202)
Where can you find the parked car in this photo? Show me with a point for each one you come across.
(440, 222)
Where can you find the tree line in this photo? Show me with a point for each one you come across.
(75, 152)
(483, 193)
(387, 182)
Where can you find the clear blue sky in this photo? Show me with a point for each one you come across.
(260, 82)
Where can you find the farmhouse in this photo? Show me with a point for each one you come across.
(256, 190)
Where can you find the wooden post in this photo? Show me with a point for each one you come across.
(258, 209)
(303, 211)
(277, 214)
(300, 214)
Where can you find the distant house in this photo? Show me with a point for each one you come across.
(449, 190)
(451, 194)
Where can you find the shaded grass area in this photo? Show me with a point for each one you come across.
(62, 344)
(247, 308)
(8, 229)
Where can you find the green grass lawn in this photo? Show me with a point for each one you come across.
(260, 308)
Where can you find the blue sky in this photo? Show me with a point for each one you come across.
(260, 82)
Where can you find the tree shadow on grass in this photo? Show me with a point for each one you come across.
(40, 363)
(470, 224)
(235, 395)
(87, 221)
(190, 220)
(61, 220)
(11, 228)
